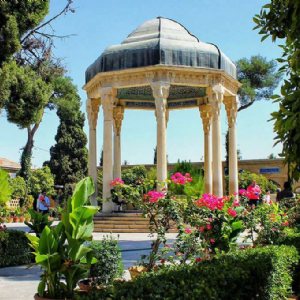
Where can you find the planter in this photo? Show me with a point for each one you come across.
(85, 285)
(22, 219)
(136, 271)
(15, 219)
(9, 219)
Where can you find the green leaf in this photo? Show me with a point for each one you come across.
(83, 190)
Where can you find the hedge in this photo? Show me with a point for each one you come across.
(293, 239)
(260, 273)
(14, 248)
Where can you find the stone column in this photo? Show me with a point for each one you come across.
(160, 92)
(231, 106)
(118, 115)
(107, 100)
(206, 115)
(215, 101)
(92, 109)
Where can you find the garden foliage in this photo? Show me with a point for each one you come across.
(14, 248)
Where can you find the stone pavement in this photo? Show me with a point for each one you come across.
(20, 283)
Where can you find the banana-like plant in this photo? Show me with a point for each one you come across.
(61, 251)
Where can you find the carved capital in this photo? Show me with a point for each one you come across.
(216, 98)
(108, 96)
(231, 107)
(92, 109)
(206, 116)
(118, 114)
(160, 89)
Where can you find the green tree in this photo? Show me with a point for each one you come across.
(280, 20)
(41, 180)
(259, 78)
(18, 187)
(27, 67)
(16, 19)
(5, 189)
(68, 160)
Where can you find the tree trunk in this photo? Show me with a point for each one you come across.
(27, 153)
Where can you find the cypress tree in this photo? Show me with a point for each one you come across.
(68, 160)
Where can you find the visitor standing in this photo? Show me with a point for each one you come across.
(43, 203)
(286, 192)
(253, 192)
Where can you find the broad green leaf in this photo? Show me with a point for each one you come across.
(83, 190)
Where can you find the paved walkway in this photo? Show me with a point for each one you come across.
(20, 283)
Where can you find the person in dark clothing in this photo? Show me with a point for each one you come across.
(286, 192)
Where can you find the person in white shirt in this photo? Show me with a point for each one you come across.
(43, 203)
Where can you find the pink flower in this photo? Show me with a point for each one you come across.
(198, 259)
(236, 203)
(116, 182)
(212, 241)
(231, 212)
(208, 227)
(286, 223)
(188, 230)
(154, 196)
(181, 179)
(212, 202)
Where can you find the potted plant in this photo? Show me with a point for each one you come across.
(16, 215)
(61, 251)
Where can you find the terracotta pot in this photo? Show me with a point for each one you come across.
(136, 271)
(85, 285)
(22, 219)
(9, 219)
(15, 219)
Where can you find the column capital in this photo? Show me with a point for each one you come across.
(92, 109)
(160, 89)
(231, 106)
(108, 96)
(206, 116)
(118, 115)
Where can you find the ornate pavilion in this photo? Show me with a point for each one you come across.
(161, 66)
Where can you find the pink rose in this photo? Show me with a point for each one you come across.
(188, 230)
(231, 212)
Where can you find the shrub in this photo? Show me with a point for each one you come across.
(14, 248)
(260, 273)
(134, 175)
(18, 187)
(109, 265)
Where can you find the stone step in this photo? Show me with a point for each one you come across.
(130, 230)
(113, 221)
(121, 226)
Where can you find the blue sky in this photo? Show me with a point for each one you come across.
(98, 24)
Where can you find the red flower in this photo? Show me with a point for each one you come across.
(212, 241)
(231, 212)
(198, 259)
(201, 228)
(188, 230)
(208, 227)
(117, 181)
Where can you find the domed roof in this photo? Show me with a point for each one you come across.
(161, 41)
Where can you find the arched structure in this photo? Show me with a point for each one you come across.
(161, 66)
